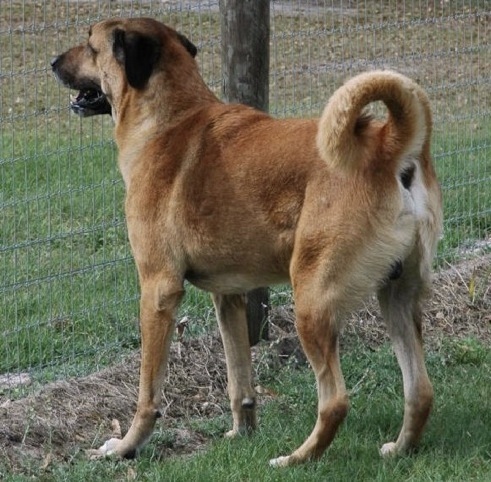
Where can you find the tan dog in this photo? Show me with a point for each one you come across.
(230, 199)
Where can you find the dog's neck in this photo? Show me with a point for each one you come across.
(141, 115)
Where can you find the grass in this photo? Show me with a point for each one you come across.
(463, 164)
(68, 274)
(456, 445)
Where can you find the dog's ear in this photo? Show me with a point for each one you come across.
(190, 47)
(138, 53)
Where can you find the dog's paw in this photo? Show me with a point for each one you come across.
(388, 449)
(106, 450)
(280, 461)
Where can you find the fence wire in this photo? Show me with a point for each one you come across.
(68, 290)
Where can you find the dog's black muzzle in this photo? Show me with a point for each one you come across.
(90, 99)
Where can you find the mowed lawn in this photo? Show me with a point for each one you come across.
(455, 447)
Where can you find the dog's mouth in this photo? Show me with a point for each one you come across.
(90, 101)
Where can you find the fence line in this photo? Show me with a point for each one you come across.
(68, 291)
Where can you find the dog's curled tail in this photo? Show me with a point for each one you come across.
(347, 137)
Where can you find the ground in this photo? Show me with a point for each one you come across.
(63, 418)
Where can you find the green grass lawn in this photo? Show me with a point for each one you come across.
(464, 168)
(456, 445)
(66, 265)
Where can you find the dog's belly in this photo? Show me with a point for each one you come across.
(233, 282)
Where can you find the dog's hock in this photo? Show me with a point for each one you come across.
(245, 419)
(249, 403)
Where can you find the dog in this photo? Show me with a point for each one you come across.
(230, 199)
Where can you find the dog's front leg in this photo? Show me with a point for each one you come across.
(231, 315)
(158, 304)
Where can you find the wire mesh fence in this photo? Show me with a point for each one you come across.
(68, 289)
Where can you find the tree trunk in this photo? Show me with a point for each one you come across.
(245, 73)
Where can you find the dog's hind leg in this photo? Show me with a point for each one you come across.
(158, 304)
(400, 304)
(231, 315)
(318, 333)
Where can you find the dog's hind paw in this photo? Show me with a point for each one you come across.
(106, 450)
(388, 449)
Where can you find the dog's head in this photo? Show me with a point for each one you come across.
(120, 54)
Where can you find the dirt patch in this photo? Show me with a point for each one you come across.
(62, 418)
(459, 306)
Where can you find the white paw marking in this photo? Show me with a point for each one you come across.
(388, 449)
(279, 461)
(107, 449)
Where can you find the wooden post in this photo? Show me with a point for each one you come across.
(245, 73)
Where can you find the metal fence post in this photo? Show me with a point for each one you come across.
(245, 74)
